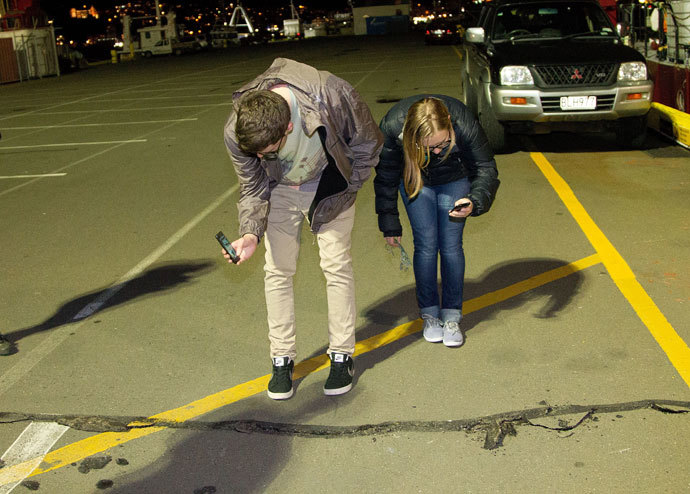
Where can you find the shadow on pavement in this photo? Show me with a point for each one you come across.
(151, 282)
(401, 307)
(224, 460)
(591, 142)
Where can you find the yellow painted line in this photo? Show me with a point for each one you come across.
(670, 342)
(101, 442)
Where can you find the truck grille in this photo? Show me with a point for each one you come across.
(576, 75)
(552, 104)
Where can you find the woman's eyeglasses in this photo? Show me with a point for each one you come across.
(440, 147)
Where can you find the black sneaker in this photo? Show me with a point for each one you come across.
(340, 378)
(5, 346)
(280, 385)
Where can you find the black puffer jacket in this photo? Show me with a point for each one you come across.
(471, 157)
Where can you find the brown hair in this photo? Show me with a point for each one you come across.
(425, 118)
(262, 119)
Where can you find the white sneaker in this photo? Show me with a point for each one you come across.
(452, 334)
(433, 329)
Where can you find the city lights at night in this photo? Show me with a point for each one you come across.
(88, 31)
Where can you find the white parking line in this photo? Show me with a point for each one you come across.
(170, 80)
(3, 177)
(66, 144)
(152, 108)
(103, 151)
(57, 336)
(144, 122)
(177, 96)
(91, 156)
(32, 444)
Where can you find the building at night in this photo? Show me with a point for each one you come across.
(381, 16)
(27, 42)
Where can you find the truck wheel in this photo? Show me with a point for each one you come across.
(148, 54)
(631, 132)
(468, 95)
(178, 52)
(494, 130)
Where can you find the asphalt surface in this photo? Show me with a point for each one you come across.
(142, 356)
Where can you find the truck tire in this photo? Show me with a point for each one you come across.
(494, 130)
(631, 132)
(148, 54)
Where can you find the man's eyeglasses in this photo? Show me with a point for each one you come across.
(273, 154)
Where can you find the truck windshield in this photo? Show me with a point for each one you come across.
(549, 20)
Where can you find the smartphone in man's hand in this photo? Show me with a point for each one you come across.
(225, 243)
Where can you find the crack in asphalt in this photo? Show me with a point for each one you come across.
(495, 427)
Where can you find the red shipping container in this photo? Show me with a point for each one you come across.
(9, 70)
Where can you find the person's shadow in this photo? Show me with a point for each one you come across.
(153, 281)
(219, 457)
(401, 307)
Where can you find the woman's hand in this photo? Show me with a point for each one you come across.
(465, 211)
(393, 241)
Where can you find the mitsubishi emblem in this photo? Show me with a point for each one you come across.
(576, 75)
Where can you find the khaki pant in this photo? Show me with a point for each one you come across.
(289, 208)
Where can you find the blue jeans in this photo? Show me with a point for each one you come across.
(435, 232)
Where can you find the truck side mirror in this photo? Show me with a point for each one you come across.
(475, 34)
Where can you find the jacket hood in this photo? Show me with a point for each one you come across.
(284, 70)
(304, 80)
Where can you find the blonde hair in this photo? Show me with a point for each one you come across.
(425, 118)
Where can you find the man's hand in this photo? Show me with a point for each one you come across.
(244, 246)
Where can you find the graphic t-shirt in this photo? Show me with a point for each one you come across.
(302, 157)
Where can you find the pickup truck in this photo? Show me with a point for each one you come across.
(536, 66)
(167, 47)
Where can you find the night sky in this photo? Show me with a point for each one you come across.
(59, 7)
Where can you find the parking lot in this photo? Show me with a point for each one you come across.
(142, 356)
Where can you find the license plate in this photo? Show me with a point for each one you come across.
(578, 102)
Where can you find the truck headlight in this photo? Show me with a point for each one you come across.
(514, 75)
(632, 71)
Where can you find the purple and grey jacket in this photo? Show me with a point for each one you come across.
(350, 137)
